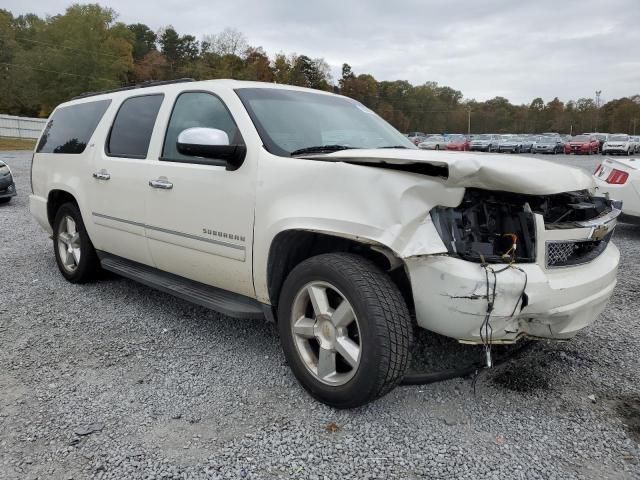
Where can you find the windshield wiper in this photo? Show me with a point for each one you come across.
(395, 146)
(321, 149)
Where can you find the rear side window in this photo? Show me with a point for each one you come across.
(132, 128)
(70, 128)
(197, 109)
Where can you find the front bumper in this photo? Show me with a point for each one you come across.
(616, 150)
(577, 149)
(450, 297)
(480, 148)
(7, 187)
(450, 294)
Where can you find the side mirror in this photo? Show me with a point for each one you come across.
(211, 143)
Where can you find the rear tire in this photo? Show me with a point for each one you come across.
(5, 200)
(75, 255)
(315, 331)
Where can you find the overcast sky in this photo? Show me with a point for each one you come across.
(514, 48)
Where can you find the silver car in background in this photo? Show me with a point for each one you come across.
(434, 142)
(485, 142)
(548, 144)
(514, 144)
(619, 143)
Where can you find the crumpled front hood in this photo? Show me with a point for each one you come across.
(475, 170)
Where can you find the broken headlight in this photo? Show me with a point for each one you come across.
(489, 227)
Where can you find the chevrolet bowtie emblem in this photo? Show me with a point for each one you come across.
(599, 232)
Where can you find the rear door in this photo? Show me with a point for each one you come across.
(199, 221)
(120, 179)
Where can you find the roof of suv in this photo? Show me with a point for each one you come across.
(158, 87)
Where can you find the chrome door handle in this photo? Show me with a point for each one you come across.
(101, 175)
(161, 183)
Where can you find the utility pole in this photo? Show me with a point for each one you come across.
(598, 92)
(634, 126)
(469, 121)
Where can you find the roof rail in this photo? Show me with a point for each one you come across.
(148, 83)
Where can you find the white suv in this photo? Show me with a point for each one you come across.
(304, 207)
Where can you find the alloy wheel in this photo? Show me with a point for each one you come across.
(326, 333)
(69, 244)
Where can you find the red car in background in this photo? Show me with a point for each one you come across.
(459, 143)
(585, 144)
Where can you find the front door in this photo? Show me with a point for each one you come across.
(199, 221)
(120, 180)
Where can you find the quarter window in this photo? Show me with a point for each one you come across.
(133, 126)
(197, 109)
(70, 128)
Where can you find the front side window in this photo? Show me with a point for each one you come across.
(197, 109)
(133, 126)
(292, 121)
(70, 128)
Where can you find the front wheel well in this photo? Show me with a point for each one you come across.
(291, 247)
(55, 200)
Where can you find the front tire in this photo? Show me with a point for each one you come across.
(75, 255)
(345, 329)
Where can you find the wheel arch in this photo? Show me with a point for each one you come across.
(291, 247)
(55, 199)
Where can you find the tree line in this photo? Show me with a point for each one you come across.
(45, 61)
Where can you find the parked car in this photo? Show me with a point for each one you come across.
(619, 143)
(601, 137)
(549, 144)
(458, 143)
(7, 185)
(515, 145)
(636, 143)
(236, 196)
(582, 144)
(485, 143)
(434, 142)
(620, 179)
(416, 137)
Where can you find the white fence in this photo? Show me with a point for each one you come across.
(21, 127)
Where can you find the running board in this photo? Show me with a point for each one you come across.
(227, 303)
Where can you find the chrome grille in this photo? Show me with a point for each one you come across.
(569, 253)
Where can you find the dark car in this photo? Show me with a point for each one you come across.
(7, 186)
(548, 144)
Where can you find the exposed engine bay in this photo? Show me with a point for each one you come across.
(499, 226)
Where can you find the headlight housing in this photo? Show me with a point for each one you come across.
(4, 170)
(494, 227)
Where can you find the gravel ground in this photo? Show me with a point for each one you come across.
(114, 380)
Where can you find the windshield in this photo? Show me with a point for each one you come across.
(289, 121)
(483, 137)
(619, 138)
(434, 138)
(581, 138)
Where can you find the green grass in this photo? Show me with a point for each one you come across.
(16, 144)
